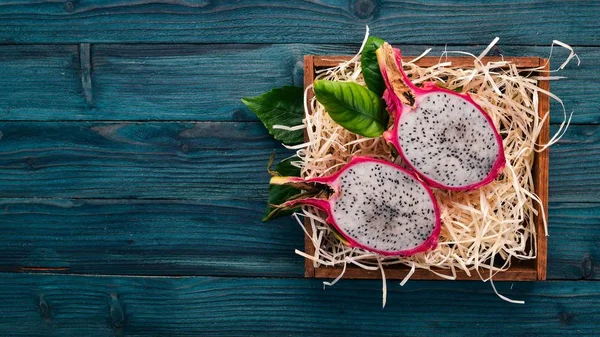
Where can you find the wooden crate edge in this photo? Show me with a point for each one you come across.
(541, 166)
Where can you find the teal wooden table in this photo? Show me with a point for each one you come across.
(132, 179)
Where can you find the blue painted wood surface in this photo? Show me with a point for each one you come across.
(283, 21)
(204, 82)
(51, 305)
(212, 160)
(129, 166)
(210, 237)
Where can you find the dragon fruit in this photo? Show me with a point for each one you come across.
(442, 135)
(375, 205)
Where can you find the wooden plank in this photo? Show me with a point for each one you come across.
(540, 173)
(331, 21)
(309, 268)
(135, 160)
(205, 82)
(66, 305)
(36, 80)
(146, 237)
(573, 242)
(176, 160)
(524, 271)
(212, 237)
(573, 165)
(189, 82)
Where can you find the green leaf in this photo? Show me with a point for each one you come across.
(281, 106)
(279, 194)
(353, 106)
(370, 66)
(286, 169)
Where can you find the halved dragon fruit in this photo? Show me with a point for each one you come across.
(376, 205)
(444, 136)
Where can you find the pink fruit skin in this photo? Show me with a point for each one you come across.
(326, 205)
(397, 108)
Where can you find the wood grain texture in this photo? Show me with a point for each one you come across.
(146, 237)
(37, 80)
(521, 271)
(85, 70)
(309, 248)
(573, 244)
(573, 166)
(136, 160)
(283, 21)
(205, 82)
(540, 175)
(211, 237)
(35, 305)
(176, 160)
(86, 189)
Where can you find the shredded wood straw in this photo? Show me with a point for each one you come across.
(491, 223)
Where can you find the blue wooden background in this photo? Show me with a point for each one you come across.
(132, 179)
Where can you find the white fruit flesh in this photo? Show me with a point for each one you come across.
(383, 208)
(448, 140)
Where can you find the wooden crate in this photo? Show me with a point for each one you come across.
(530, 270)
